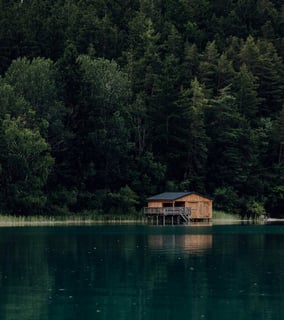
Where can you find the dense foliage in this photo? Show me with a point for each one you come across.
(104, 102)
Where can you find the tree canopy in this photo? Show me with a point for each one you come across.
(103, 103)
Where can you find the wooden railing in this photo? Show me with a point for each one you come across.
(172, 211)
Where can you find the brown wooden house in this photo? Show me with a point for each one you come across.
(180, 207)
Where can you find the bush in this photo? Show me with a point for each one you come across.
(124, 201)
(255, 209)
(226, 199)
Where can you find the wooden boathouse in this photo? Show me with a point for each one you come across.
(178, 208)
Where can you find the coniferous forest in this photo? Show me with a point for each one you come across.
(106, 102)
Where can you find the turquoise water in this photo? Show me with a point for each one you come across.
(142, 272)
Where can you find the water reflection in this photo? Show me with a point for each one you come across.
(142, 273)
(24, 272)
(188, 244)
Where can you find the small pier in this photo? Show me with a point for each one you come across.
(168, 215)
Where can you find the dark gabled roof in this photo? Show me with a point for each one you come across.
(171, 196)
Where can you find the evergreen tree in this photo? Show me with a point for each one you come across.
(230, 152)
(265, 64)
(190, 138)
(189, 63)
(270, 74)
(208, 67)
(102, 136)
(245, 86)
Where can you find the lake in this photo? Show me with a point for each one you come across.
(142, 272)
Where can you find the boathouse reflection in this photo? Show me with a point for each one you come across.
(189, 243)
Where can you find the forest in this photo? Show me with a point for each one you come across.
(104, 103)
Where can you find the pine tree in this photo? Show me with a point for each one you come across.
(208, 67)
(245, 86)
(188, 138)
(102, 129)
(230, 152)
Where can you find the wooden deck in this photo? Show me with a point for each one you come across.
(172, 215)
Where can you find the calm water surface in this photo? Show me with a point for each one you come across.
(142, 272)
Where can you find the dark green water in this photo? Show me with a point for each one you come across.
(142, 272)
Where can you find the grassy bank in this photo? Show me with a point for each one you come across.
(220, 215)
(90, 218)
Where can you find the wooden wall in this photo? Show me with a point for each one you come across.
(155, 204)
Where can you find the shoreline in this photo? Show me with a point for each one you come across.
(51, 223)
(93, 222)
(10, 221)
(219, 218)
